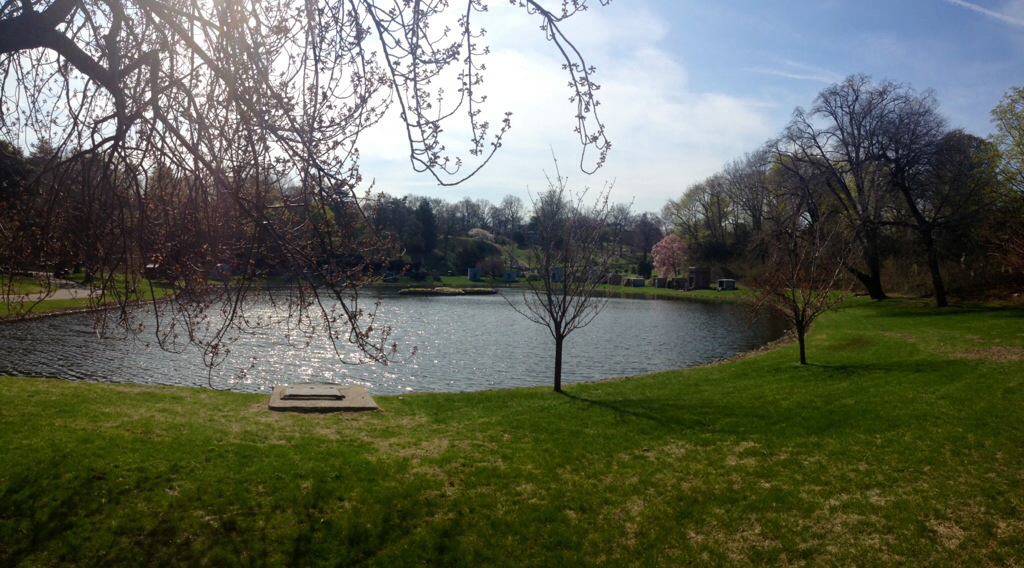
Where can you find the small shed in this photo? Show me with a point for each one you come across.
(475, 275)
(700, 278)
(726, 284)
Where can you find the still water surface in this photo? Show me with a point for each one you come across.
(462, 343)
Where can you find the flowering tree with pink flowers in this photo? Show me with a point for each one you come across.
(670, 255)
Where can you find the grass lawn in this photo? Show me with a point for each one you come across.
(902, 444)
(31, 306)
(20, 285)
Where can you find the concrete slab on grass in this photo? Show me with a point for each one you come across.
(321, 398)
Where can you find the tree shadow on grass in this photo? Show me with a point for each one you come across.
(719, 417)
(895, 369)
(665, 413)
(964, 309)
(831, 397)
(35, 516)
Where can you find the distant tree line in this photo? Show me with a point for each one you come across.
(72, 216)
(432, 234)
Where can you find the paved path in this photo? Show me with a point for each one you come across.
(58, 294)
(63, 290)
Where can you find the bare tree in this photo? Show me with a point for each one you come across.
(251, 111)
(945, 192)
(842, 139)
(646, 232)
(746, 184)
(571, 262)
(508, 215)
(704, 215)
(620, 219)
(802, 271)
(802, 267)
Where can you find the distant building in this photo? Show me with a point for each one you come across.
(700, 278)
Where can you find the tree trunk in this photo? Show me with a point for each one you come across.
(933, 267)
(872, 279)
(558, 363)
(446, 265)
(874, 283)
(801, 339)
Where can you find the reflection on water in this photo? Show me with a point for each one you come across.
(462, 343)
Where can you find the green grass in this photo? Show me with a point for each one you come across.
(708, 295)
(20, 285)
(30, 306)
(902, 444)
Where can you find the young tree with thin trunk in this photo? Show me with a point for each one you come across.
(802, 272)
(571, 262)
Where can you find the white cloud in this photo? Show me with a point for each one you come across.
(991, 13)
(665, 135)
(801, 72)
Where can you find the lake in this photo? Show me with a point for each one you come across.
(463, 344)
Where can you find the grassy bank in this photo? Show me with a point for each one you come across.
(29, 299)
(903, 443)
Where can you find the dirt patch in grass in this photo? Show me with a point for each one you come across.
(749, 538)
(852, 344)
(735, 458)
(904, 336)
(999, 354)
(947, 533)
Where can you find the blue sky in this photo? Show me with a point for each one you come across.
(689, 85)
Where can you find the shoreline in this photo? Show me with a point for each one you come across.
(265, 389)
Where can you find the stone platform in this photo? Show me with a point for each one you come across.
(321, 398)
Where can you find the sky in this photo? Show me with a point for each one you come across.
(690, 85)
